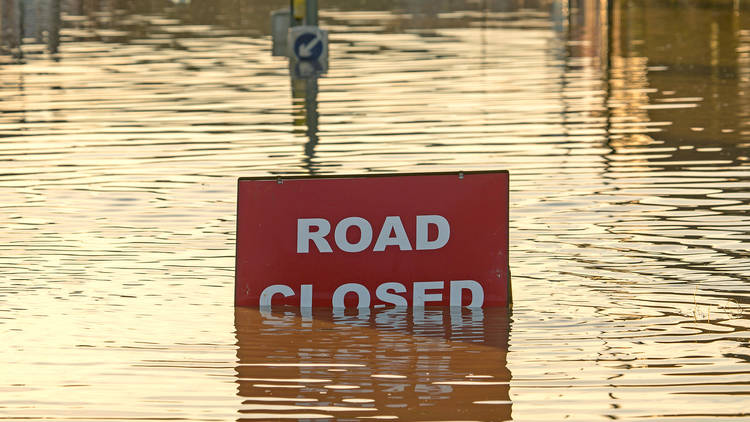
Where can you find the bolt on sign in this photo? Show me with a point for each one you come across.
(434, 239)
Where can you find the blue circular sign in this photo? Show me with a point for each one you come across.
(308, 46)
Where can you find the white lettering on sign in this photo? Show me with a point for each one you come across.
(365, 234)
(363, 295)
(420, 292)
(305, 300)
(304, 235)
(392, 224)
(392, 233)
(385, 292)
(443, 228)
(270, 291)
(477, 293)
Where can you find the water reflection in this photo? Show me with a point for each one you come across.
(421, 364)
(305, 95)
(34, 22)
(688, 80)
(629, 218)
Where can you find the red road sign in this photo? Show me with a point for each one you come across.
(394, 240)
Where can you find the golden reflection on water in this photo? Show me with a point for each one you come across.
(422, 364)
(626, 137)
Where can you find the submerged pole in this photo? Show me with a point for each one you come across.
(311, 13)
(10, 24)
(297, 11)
(53, 28)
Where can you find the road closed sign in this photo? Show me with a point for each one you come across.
(437, 239)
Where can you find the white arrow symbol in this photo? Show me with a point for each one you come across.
(305, 50)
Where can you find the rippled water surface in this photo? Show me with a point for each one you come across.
(625, 131)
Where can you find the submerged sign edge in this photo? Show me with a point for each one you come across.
(459, 174)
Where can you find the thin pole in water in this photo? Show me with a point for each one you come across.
(311, 15)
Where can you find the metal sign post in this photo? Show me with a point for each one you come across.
(296, 34)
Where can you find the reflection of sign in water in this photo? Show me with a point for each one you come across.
(308, 42)
(307, 69)
(398, 240)
(420, 364)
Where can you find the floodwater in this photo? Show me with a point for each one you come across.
(626, 133)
